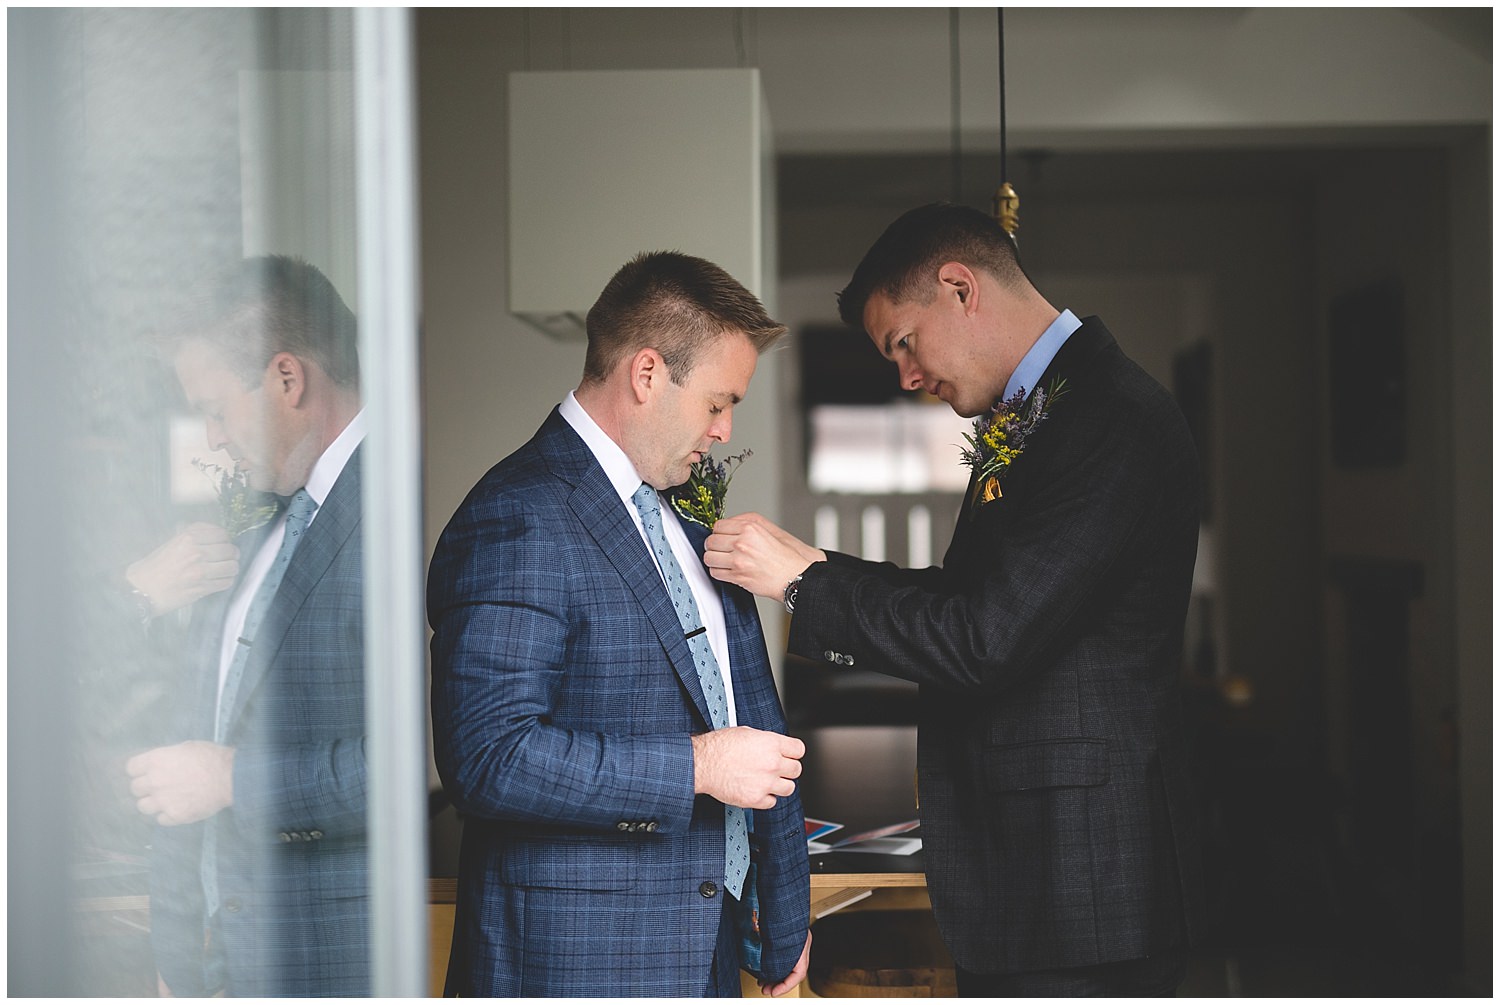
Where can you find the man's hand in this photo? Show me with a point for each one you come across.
(193, 563)
(184, 783)
(752, 552)
(741, 766)
(792, 979)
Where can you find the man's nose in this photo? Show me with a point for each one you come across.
(214, 433)
(909, 378)
(721, 428)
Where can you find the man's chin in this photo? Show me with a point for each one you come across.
(261, 484)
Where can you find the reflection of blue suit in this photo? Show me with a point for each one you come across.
(564, 702)
(294, 914)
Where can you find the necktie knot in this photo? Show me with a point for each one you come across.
(646, 500)
(300, 507)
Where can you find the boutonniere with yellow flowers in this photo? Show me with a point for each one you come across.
(241, 508)
(1000, 437)
(701, 498)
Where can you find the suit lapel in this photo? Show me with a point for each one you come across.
(603, 516)
(332, 526)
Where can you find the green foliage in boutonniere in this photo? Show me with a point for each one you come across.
(701, 498)
(241, 508)
(1000, 437)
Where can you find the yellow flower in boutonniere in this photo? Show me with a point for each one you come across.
(701, 498)
(241, 508)
(1000, 436)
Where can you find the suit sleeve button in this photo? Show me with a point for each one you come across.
(316, 835)
(651, 827)
(623, 825)
(709, 890)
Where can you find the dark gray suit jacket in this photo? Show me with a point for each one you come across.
(1058, 823)
(293, 870)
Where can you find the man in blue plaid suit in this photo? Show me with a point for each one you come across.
(571, 724)
(259, 863)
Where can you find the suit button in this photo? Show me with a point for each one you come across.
(233, 905)
(848, 661)
(651, 827)
(316, 835)
(622, 826)
(830, 656)
(284, 837)
(709, 890)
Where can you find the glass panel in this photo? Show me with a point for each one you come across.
(172, 746)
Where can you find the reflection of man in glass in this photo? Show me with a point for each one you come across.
(259, 863)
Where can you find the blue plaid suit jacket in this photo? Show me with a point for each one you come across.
(292, 849)
(564, 700)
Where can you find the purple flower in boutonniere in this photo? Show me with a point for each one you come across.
(1000, 436)
(241, 508)
(701, 498)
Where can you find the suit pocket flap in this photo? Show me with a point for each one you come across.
(1046, 764)
(570, 865)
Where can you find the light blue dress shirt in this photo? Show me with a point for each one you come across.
(1041, 353)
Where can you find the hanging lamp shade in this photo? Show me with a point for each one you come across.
(606, 164)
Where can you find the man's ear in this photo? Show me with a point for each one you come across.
(287, 378)
(957, 280)
(647, 371)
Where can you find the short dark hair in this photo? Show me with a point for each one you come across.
(921, 240)
(272, 304)
(675, 304)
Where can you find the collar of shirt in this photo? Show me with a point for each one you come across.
(617, 467)
(329, 466)
(1041, 353)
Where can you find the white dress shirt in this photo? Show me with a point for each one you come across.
(625, 480)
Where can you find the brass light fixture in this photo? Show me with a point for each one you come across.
(1007, 204)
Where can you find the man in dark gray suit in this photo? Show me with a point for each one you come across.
(1053, 775)
(259, 864)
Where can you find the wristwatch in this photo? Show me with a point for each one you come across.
(789, 595)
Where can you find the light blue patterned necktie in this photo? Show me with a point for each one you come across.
(736, 839)
(298, 515)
